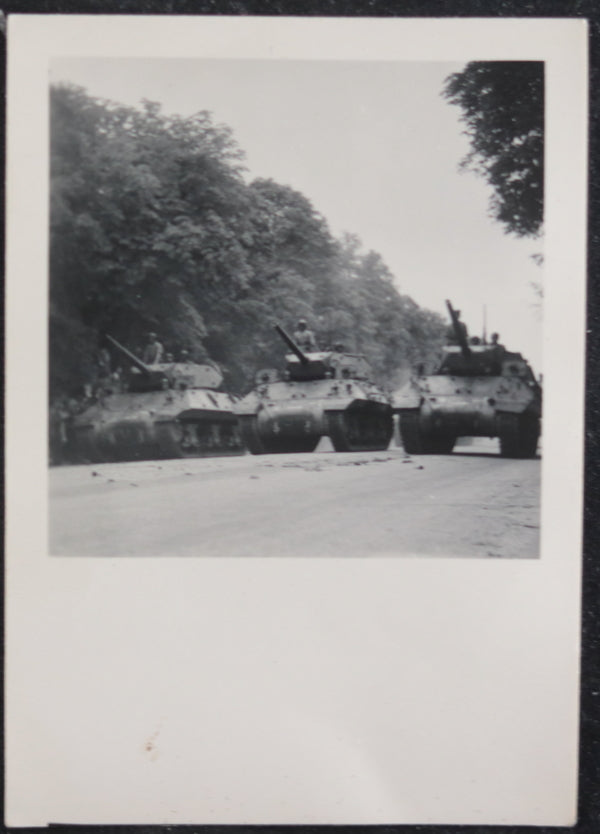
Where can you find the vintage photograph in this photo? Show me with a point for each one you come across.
(295, 307)
(295, 342)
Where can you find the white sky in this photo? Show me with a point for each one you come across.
(375, 148)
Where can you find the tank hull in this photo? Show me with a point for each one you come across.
(474, 417)
(289, 417)
(436, 410)
(284, 427)
(157, 425)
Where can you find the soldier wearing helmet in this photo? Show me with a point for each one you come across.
(305, 338)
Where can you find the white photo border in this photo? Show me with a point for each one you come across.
(452, 697)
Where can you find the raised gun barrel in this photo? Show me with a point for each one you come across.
(459, 332)
(292, 345)
(131, 356)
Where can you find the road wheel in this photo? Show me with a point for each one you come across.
(202, 438)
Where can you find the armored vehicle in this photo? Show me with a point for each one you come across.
(479, 390)
(321, 393)
(168, 410)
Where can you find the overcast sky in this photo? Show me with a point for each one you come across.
(375, 148)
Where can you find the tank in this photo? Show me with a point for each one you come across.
(318, 394)
(169, 410)
(478, 390)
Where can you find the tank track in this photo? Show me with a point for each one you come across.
(418, 442)
(360, 429)
(257, 444)
(518, 434)
(351, 430)
(91, 447)
(207, 438)
(176, 439)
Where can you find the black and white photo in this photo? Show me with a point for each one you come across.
(255, 256)
(295, 342)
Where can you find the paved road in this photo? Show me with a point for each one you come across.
(470, 504)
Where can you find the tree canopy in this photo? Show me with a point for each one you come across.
(153, 226)
(503, 109)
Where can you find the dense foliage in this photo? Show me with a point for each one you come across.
(154, 227)
(503, 109)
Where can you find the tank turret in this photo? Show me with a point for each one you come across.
(300, 355)
(303, 367)
(320, 393)
(178, 375)
(145, 377)
(478, 390)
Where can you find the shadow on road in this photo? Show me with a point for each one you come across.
(474, 454)
(486, 455)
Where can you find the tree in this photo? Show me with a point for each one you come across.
(153, 227)
(148, 214)
(375, 319)
(503, 109)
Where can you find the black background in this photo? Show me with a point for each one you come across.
(589, 780)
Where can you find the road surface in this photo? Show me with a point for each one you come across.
(469, 504)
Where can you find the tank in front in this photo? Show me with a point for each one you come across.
(479, 389)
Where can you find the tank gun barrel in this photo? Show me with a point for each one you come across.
(131, 356)
(459, 331)
(292, 345)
